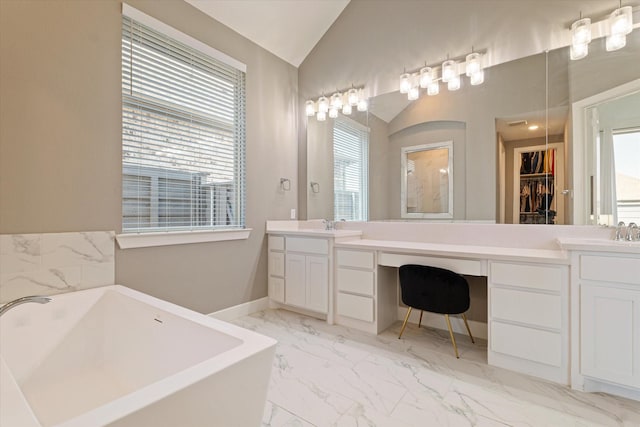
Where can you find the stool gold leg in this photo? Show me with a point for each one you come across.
(404, 325)
(453, 340)
(420, 321)
(467, 325)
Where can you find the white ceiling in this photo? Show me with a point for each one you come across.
(287, 28)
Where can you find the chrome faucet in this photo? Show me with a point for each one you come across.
(329, 225)
(632, 232)
(621, 231)
(8, 306)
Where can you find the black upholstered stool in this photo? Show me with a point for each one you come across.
(436, 290)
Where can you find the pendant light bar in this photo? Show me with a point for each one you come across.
(341, 101)
(451, 71)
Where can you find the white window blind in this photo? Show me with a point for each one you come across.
(183, 135)
(350, 170)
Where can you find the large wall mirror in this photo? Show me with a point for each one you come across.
(533, 106)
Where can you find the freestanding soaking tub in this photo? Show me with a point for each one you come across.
(114, 356)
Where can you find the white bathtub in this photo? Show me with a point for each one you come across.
(114, 356)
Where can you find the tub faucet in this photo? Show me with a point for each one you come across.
(8, 306)
(632, 232)
(620, 231)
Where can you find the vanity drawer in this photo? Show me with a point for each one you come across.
(311, 246)
(276, 263)
(356, 307)
(356, 281)
(543, 277)
(610, 269)
(526, 343)
(276, 243)
(526, 307)
(357, 259)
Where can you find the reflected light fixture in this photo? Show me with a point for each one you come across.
(342, 101)
(433, 88)
(414, 93)
(580, 38)
(405, 83)
(620, 24)
(616, 27)
(426, 77)
(352, 97)
(336, 100)
(323, 104)
(310, 108)
(449, 70)
(477, 78)
(533, 127)
(363, 105)
(453, 83)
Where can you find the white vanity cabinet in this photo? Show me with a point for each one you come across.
(528, 326)
(607, 291)
(299, 272)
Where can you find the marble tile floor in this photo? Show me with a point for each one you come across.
(327, 375)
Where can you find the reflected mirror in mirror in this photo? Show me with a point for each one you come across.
(427, 181)
(614, 149)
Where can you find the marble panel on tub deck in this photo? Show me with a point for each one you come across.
(53, 263)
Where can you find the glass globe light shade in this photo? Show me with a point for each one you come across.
(473, 63)
(449, 70)
(321, 116)
(433, 88)
(405, 83)
(454, 83)
(310, 108)
(426, 77)
(477, 78)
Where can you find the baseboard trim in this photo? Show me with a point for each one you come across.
(437, 321)
(240, 310)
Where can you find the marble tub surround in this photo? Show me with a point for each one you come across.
(330, 375)
(53, 263)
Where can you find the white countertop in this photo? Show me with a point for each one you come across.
(461, 251)
(599, 245)
(317, 232)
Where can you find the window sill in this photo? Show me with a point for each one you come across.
(145, 240)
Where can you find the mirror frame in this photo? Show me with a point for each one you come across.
(405, 151)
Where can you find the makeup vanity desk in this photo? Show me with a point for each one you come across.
(528, 306)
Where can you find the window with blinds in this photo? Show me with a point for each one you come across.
(350, 170)
(183, 135)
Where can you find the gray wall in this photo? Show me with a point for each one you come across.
(60, 142)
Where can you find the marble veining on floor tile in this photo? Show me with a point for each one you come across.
(329, 375)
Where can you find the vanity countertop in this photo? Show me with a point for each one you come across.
(551, 256)
(599, 245)
(315, 232)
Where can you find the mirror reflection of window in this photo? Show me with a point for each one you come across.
(350, 170)
(626, 155)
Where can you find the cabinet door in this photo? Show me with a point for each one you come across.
(610, 334)
(295, 285)
(317, 283)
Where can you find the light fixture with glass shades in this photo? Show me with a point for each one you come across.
(342, 101)
(451, 72)
(615, 28)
